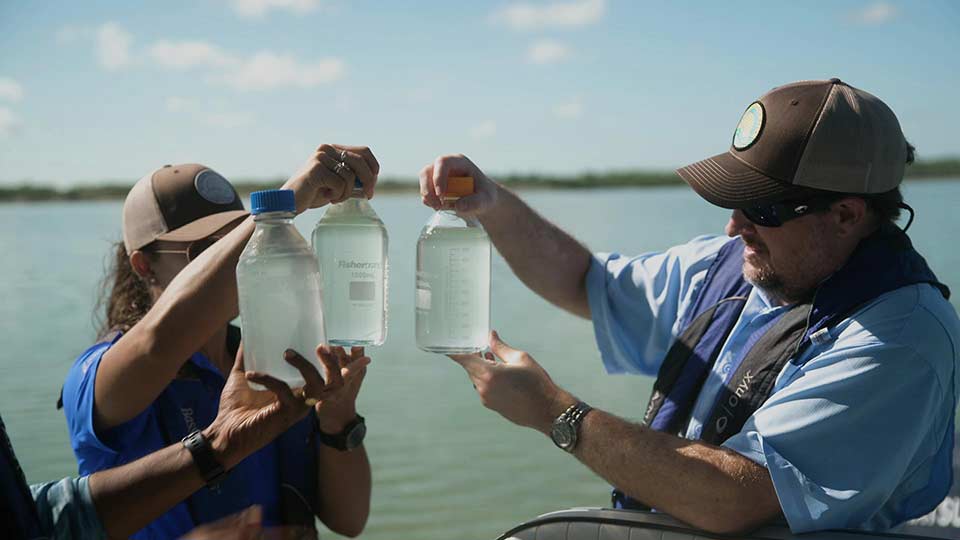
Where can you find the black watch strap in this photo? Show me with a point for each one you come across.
(349, 438)
(211, 469)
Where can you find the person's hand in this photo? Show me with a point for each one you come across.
(329, 173)
(335, 412)
(247, 525)
(244, 525)
(433, 185)
(516, 386)
(249, 419)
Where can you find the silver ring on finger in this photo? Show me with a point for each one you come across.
(340, 167)
(343, 155)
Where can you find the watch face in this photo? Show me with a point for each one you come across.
(356, 435)
(563, 435)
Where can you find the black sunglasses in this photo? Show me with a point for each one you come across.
(776, 214)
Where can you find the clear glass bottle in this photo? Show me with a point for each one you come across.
(350, 242)
(278, 284)
(453, 279)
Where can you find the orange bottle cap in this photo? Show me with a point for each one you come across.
(459, 186)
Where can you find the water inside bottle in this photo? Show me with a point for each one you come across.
(350, 243)
(453, 286)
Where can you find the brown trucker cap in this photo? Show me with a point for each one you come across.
(179, 203)
(824, 135)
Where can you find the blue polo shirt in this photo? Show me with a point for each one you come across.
(860, 435)
(189, 402)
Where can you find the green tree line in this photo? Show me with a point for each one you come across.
(930, 169)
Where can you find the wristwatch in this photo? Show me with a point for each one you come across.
(199, 447)
(348, 439)
(566, 428)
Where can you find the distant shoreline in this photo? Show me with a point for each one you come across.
(944, 169)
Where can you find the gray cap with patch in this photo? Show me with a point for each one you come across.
(824, 135)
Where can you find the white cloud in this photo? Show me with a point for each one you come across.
(113, 46)
(877, 13)
(10, 90)
(547, 52)
(178, 104)
(9, 123)
(229, 120)
(572, 14)
(257, 8)
(484, 130)
(266, 71)
(569, 110)
(188, 54)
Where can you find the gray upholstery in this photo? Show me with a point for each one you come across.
(605, 524)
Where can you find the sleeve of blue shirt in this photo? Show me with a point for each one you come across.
(95, 450)
(66, 510)
(636, 303)
(845, 430)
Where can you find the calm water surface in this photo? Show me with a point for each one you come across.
(444, 467)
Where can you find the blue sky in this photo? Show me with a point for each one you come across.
(109, 90)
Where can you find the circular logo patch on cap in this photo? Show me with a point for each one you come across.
(748, 130)
(214, 188)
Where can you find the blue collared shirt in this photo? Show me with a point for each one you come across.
(66, 510)
(195, 399)
(859, 436)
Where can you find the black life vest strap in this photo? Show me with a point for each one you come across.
(675, 363)
(753, 381)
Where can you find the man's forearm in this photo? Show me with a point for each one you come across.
(548, 260)
(710, 487)
(129, 497)
(344, 482)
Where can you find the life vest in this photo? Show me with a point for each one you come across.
(18, 513)
(883, 262)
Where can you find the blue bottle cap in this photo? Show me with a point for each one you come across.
(272, 200)
(357, 184)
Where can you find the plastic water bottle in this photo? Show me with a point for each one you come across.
(453, 279)
(278, 284)
(350, 242)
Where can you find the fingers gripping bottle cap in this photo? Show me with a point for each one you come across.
(272, 200)
(459, 186)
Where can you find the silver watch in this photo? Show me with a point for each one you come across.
(566, 428)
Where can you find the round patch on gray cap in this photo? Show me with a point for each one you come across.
(214, 188)
(749, 127)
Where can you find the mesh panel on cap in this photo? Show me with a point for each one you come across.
(856, 146)
(142, 219)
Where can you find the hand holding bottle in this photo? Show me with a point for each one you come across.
(433, 185)
(329, 174)
(249, 419)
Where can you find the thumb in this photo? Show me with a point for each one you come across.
(508, 354)
(471, 204)
(238, 361)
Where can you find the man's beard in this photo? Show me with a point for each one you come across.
(771, 283)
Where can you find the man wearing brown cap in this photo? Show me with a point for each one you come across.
(806, 366)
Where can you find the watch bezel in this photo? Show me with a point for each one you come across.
(355, 434)
(564, 434)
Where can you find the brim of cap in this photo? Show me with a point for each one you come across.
(203, 227)
(727, 182)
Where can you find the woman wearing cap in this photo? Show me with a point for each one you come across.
(157, 371)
